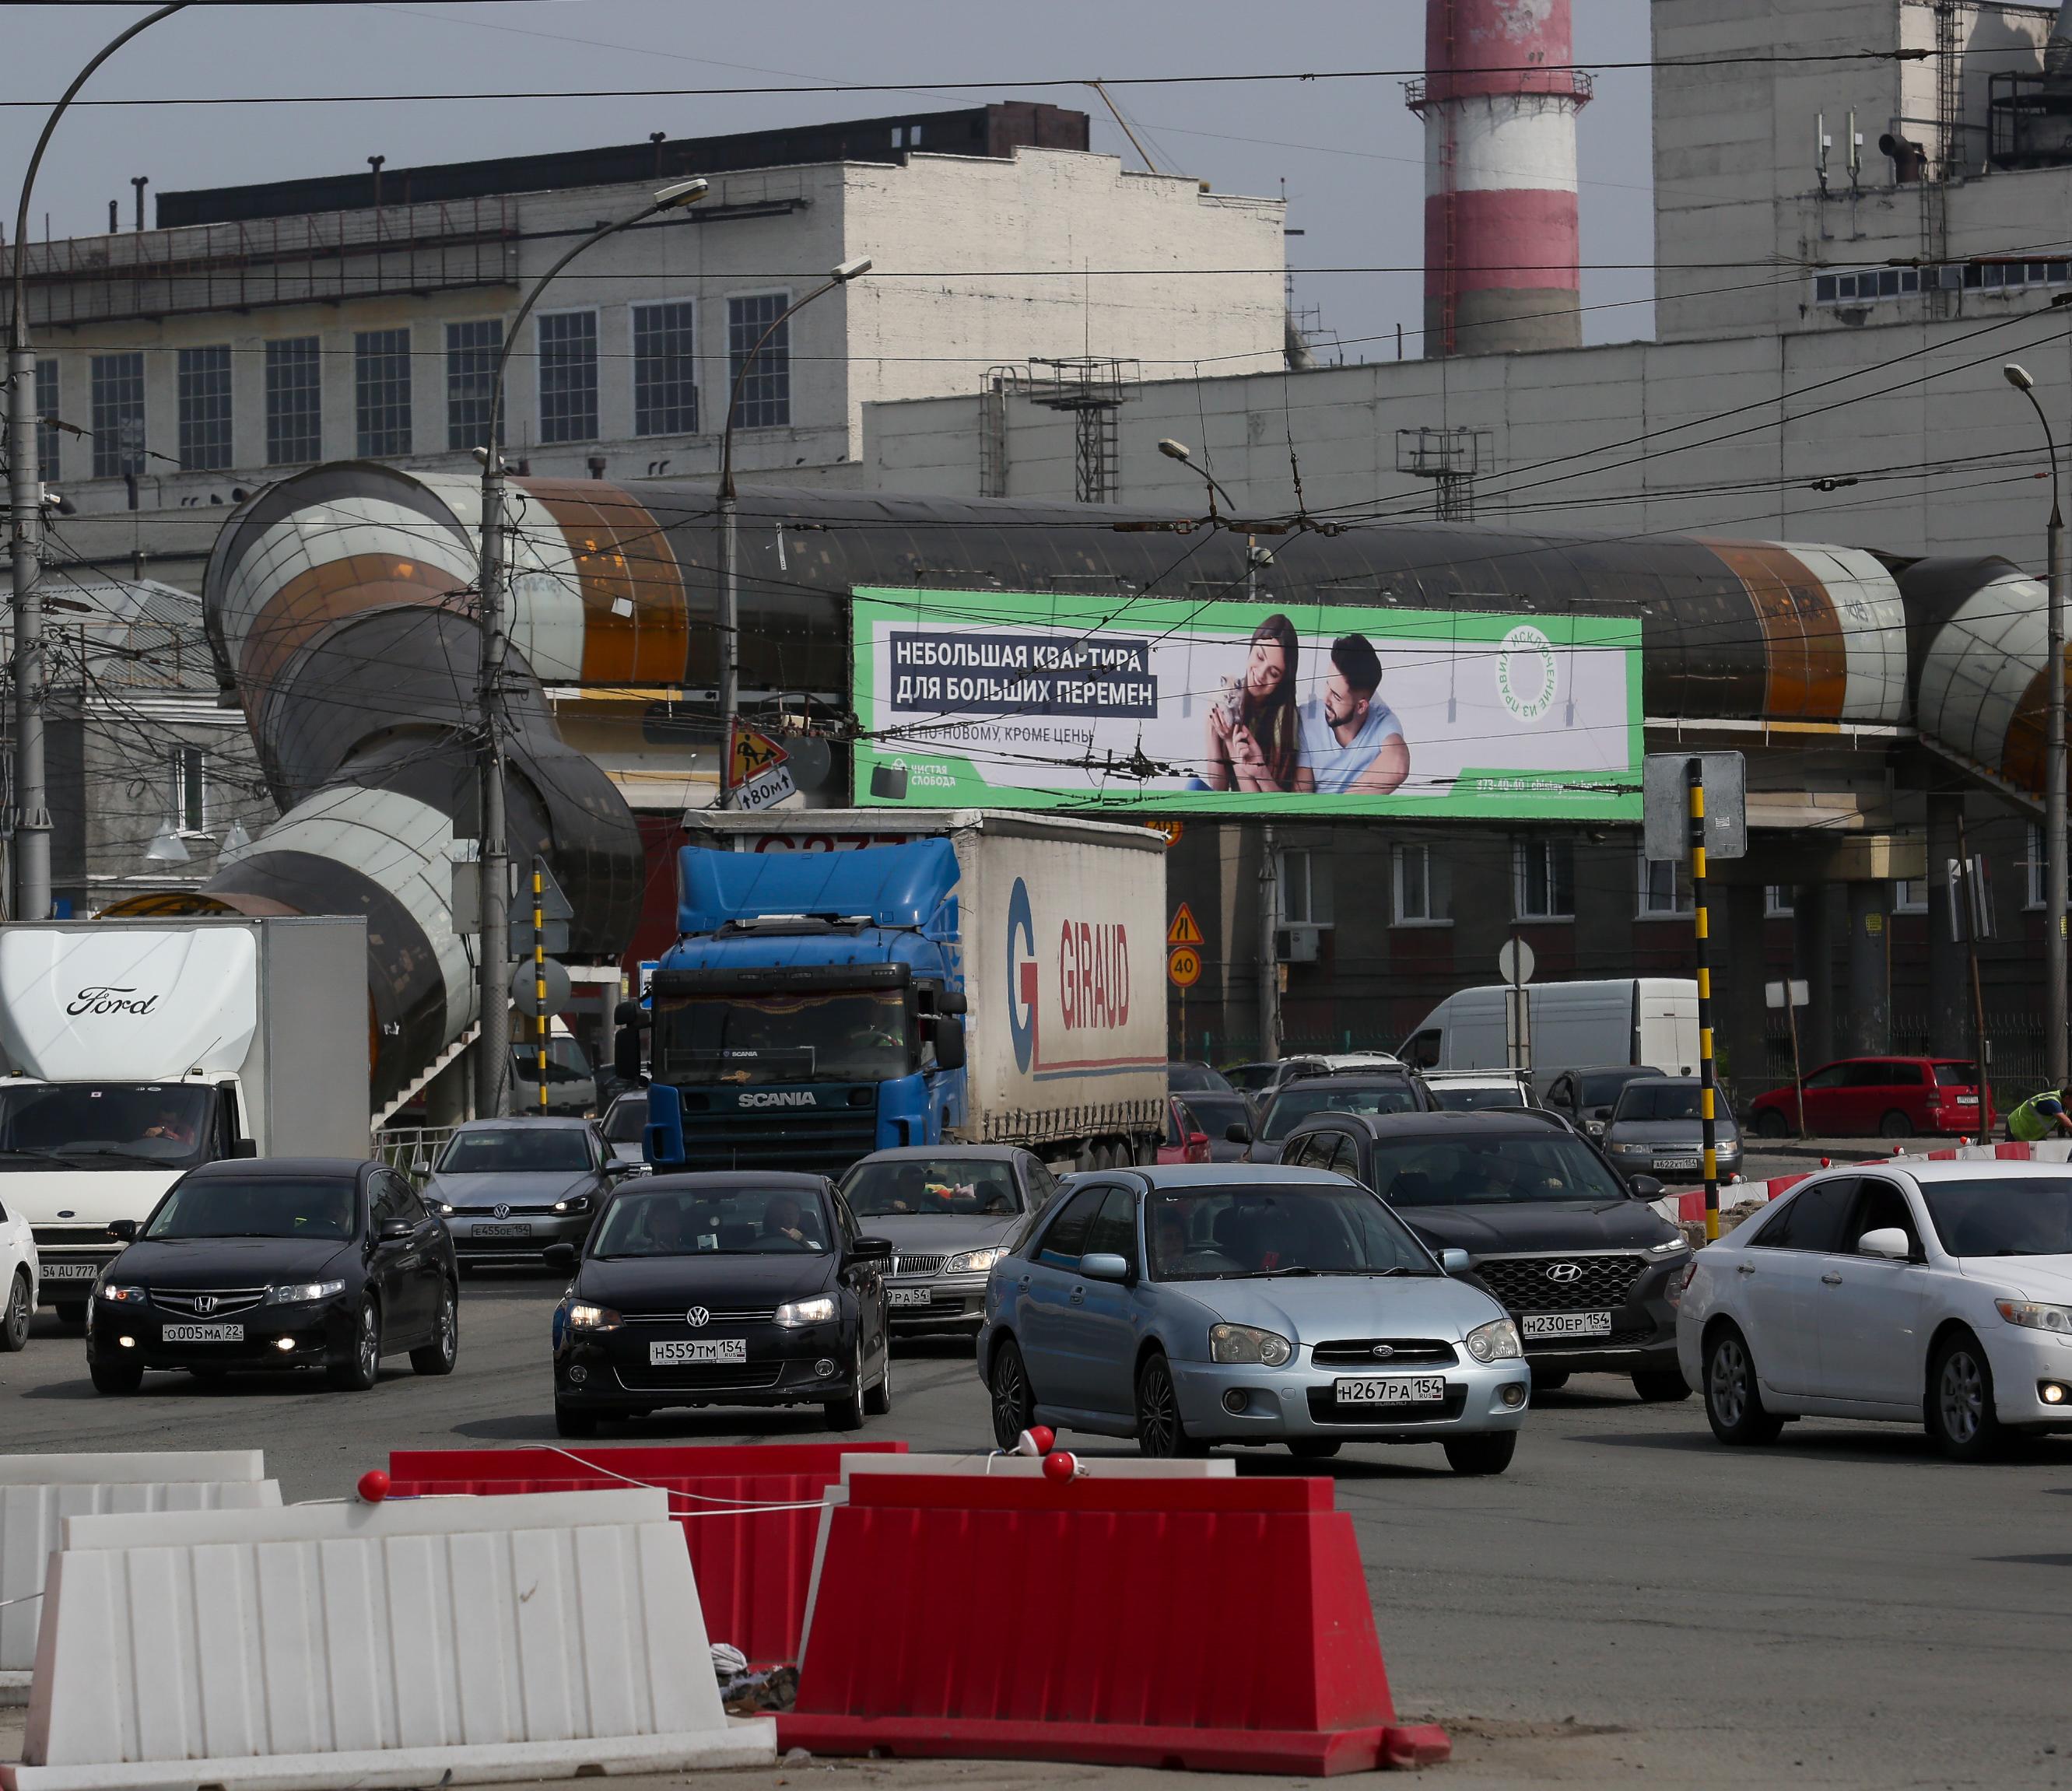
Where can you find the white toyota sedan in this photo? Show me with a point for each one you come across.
(1935, 1293)
(18, 1272)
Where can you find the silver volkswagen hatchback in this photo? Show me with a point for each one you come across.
(1190, 1304)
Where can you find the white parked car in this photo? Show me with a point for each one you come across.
(19, 1273)
(1933, 1293)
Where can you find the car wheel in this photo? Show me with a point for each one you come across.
(877, 1402)
(1661, 1383)
(1895, 1124)
(115, 1377)
(359, 1371)
(1733, 1401)
(1161, 1434)
(846, 1414)
(72, 1312)
(439, 1356)
(1014, 1399)
(1960, 1415)
(1314, 1448)
(1771, 1123)
(15, 1320)
(1489, 1453)
(568, 1421)
(1549, 1380)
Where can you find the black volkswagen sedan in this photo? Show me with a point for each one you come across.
(278, 1262)
(723, 1289)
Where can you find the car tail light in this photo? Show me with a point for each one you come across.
(1690, 1269)
(1197, 1148)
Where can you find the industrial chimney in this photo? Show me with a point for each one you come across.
(1500, 101)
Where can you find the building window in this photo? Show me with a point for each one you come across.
(1909, 896)
(471, 350)
(568, 376)
(2032, 862)
(665, 389)
(1303, 888)
(1424, 887)
(204, 408)
(294, 402)
(1665, 888)
(119, 415)
(190, 789)
(1777, 902)
(765, 394)
(381, 393)
(46, 420)
(1543, 879)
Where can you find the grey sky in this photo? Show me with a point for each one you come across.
(1350, 153)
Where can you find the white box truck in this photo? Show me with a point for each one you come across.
(137, 1049)
(843, 981)
(1643, 1019)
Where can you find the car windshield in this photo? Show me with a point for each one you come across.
(253, 1206)
(1187, 1078)
(1296, 1104)
(713, 1222)
(1666, 1100)
(1502, 1170)
(627, 1123)
(1250, 1077)
(1955, 1075)
(1458, 1099)
(852, 1035)
(1238, 1234)
(967, 1186)
(1602, 1090)
(2003, 1216)
(104, 1125)
(500, 1150)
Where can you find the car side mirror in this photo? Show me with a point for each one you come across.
(871, 1249)
(123, 1229)
(1888, 1242)
(421, 1166)
(244, 1147)
(1454, 1262)
(1645, 1187)
(950, 1000)
(1104, 1265)
(1237, 1132)
(394, 1231)
(559, 1255)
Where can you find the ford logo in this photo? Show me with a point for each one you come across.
(503, 1210)
(1564, 1271)
(697, 1318)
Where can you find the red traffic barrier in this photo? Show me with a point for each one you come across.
(373, 1487)
(750, 1513)
(975, 1618)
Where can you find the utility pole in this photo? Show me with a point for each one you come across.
(1269, 959)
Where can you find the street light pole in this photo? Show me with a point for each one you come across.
(1181, 452)
(729, 583)
(31, 813)
(492, 1062)
(2055, 1042)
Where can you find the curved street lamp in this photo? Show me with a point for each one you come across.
(1181, 452)
(729, 591)
(25, 510)
(492, 1065)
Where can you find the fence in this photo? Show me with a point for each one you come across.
(404, 1147)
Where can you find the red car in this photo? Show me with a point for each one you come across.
(1890, 1097)
(1186, 1139)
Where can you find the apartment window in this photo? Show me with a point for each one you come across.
(1424, 887)
(471, 350)
(665, 391)
(1304, 889)
(46, 420)
(190, 789)
(765, 394)
(1909, 896)
(381, 393)
(1543, 879)
(204, 408)
(294, 401)
(568, 376)
(119, 415)
(1665, 888)
(1777, 902)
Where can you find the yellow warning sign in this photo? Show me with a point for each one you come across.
(754, 753)
(1183, 965)
(1185, 930)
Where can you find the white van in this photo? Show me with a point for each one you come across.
(1649, 1020)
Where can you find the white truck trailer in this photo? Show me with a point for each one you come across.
(135, 1049)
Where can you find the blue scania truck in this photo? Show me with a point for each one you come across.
(846, 980)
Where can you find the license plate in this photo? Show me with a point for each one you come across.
(660, 1355)
(1677, 1162)
(906, 1296)
(500, 1231)
(202, 1333)
(70, 1272)
(1393, 1390)
(1968, 1100)
(1568, 1325)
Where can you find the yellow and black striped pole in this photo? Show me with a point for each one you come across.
(1694, 772)
(540, 973)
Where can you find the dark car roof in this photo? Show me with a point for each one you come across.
(1382, 1077)
(716, 1180)
(930, 1153)
(1516, 1122)
(1609, 1070)
(313, 1169)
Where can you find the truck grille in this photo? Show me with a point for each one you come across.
(72, 1236)
(824, 1142)
(1403, 1353)
(903, 1266)
(209, 1302)
(1543, 1284)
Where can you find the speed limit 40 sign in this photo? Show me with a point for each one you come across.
(1183, 966)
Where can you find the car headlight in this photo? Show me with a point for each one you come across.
(1668, 1249)
(297, 1292)
(974, 1262)
(1246, 1345)
(445, 1208)
(579, 1203)
(2031, 1316)
(819, 1310)
(1630, 1150)
(120, 1296)
(584, 1317)
(1495, 1342)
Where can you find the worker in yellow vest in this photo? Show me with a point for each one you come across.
(2047, 1115)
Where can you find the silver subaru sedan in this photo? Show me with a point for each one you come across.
(1187, 1305)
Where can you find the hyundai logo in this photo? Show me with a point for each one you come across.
(697, 1318)
(205, 1303)
(503, 1210)
(1384, 1351)
(1564, 1271)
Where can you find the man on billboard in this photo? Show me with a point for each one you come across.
(1352, 742)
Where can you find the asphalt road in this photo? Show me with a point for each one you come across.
(1630, 1602)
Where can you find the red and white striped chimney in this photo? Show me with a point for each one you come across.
(1500, 101)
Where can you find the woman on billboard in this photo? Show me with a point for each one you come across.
(1254, 735)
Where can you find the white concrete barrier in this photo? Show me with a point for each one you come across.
(39, 1491)
(410, 1643)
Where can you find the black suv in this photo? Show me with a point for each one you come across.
(1581, 1260)
(1344, 1091)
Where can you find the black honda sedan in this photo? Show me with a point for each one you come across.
(723, 1289)
(278, 1262)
